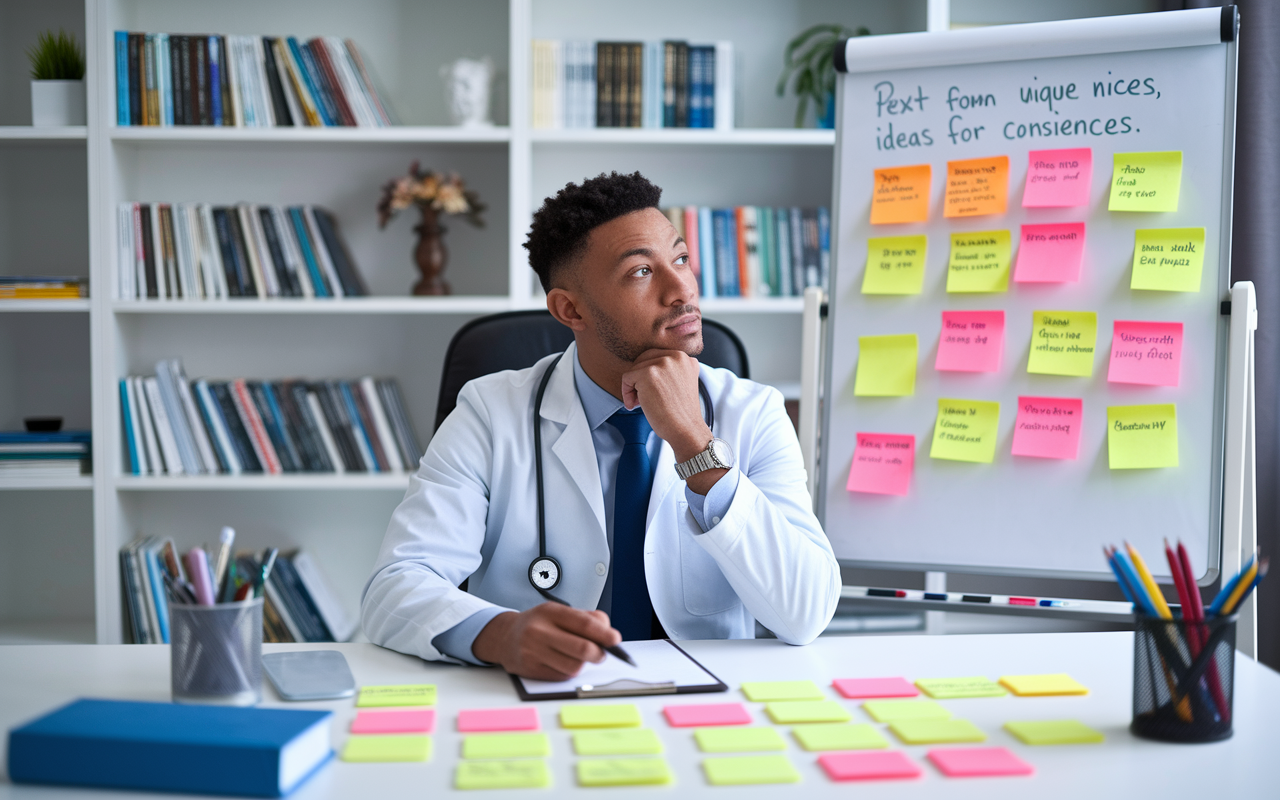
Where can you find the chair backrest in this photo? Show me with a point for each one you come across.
(517, 339)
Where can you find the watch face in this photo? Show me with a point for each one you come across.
(722, 453)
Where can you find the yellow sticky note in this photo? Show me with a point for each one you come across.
(966, 430)
(901, 194)
(977, 186)
(950, 688)
(506, 745)
(617, 742)
(413, 694)
(743, 770)
(894, 710)
(387, 748)
(792, 712)
(623, 772)
(1061, 731)
(818, 738)
(523, 774)
(1142, 437)
(738, 740)
(1062, 343)
(1146, 181)
(1042, 685)
(895, 265)
(936, 731)
(766, 691)
(611, 716)
(886, 366)
(979, 262)
(1168, 259)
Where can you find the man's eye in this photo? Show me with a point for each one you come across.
(643, 271)
(682, 260)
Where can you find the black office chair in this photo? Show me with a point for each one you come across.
(517, 339)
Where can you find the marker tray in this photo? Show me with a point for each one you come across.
(1183, 679)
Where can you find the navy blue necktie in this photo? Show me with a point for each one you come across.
(632, 610)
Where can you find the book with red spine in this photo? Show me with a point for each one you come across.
(330, 76)
(254, 426)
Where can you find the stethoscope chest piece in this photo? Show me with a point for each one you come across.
(544, 573)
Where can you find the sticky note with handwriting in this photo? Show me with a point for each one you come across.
(1142, 437)
(525, 773)
(970, 341)
(1058, 178)
(882, 463)
(1168, 259)
(966, 430)
(886, 366)
(1048, 427)
(951, 688)
(411, 694)
(901, 194)
(979, 262)
(1050, 253)
(1062, 343)
(623, 772)
(1149, 353)
(895, 265)
(1146, 181)
(976, 187)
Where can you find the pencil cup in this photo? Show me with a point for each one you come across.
(1183, 679)
(215, 653)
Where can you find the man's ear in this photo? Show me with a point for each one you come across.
(564, 306)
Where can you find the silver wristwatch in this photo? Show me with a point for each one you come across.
(717, 455)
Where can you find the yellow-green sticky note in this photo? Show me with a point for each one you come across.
(818, 738)
(768, 691)
(966, 430)
(951, 688)
(531, 773)
(623, 772)
(1063, 342)
(1142, 437)
(1042, 685)
(506, 745)
(936, 731)
(886, 366)
(894, 710)
(617, 742)
(895, 265)
(612, 716)
(1146, 181)
(1059, 731)
(743, 770)
(410, 694)
(792, 712)
(1168, 259)
(979, 262)
(738, 740)
(384, 748)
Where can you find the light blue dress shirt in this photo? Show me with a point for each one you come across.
(599, 405)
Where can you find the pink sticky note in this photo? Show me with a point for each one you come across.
(1149, 353)
(868, 765)
(882, 463)
(875, 687)
(707, 714)
(1048, 427)
(976, 762)
(479, 720)
(1058, 178)
(970, 341)
(1050, 253)
(412, 720)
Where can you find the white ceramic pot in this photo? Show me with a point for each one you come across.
(57, 103)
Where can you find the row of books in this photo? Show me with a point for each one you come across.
(30, 287)
(197, 251)
(756, 251)
(25, 454)
(244, 81)
(174, 426)
(670, 84)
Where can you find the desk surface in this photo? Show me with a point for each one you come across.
(35, 679)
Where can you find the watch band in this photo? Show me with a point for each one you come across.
(701, 462)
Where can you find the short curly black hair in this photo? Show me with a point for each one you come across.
(560, 228)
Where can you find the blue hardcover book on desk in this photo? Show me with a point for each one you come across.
(258, 752)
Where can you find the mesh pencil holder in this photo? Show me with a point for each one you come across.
(215, 653)
(1183, 679)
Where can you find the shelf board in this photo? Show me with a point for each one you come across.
(393, 481)
(20, 306)
(350, 305)
(28, 484)
(54, 631)
(777, 137)
(397, 133)
(28, 133)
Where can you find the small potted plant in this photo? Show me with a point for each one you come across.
(808, 59)
(57, 81)
(434, 193)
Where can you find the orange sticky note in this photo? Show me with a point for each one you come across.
(976, 187)
(882, 463)
(1050, 253)
(901, 194)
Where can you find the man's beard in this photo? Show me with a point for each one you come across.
(616, 342)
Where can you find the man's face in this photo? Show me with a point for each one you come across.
(637, 288)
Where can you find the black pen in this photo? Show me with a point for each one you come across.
(615, 651)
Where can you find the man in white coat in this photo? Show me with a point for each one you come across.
(658, 524)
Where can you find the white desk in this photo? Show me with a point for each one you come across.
(35, 679)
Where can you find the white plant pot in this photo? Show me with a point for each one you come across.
(57, 103)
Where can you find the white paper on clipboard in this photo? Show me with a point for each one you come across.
(659, 663)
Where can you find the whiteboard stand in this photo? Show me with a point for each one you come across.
(1239, 505)
(811, 338)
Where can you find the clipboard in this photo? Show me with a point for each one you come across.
(662, 667)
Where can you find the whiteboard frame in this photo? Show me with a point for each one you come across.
(1095, 36)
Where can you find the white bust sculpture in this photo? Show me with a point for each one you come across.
(467, 82)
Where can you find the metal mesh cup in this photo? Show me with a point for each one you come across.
(1183, 679)
(215, 653)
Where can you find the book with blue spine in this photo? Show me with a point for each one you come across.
(707, 252)
(122, 77)
(157, 589)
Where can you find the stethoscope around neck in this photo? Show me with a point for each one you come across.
(544, 571)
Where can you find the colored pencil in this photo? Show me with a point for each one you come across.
(1157, 597)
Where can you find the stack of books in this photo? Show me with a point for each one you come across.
(195, 251)
(756, 251)
(174, 426)
(244, 81)
(670, 84)
(20, 287)
(44, 455)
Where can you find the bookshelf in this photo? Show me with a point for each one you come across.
(57, 216)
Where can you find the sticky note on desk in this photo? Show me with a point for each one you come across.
(886, 366)
(966, 430)
(895, 265)
(767, 691)
(1062, 343)
(707, 714)
(480, 720)
(871, 766)
(874, 687)
(1042, 685)
(1147, 353)
(506, 745)
(744, 770)
(1050, 253)
(838, 736)
(1168, 259)
(901, 194)
(1048, 427)
(951, 688)
(1146, 181)
(371, 749)
(936, 731)
(738, 740)
(531, 773)
(970, 341)
(617, 742)
(882, 463)
(1060, 731)
(978, 762)
(894, 710)
(1058, 178)
(1142, 437)
(623, 772)
(979, 262)
(417, 694)
(624, 715)
(409, 720)
(976, 187)
(798, 711)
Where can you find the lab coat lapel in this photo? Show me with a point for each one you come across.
(574, 448)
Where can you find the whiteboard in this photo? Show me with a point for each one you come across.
(1021, 515)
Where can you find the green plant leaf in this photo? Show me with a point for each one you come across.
(56, 58)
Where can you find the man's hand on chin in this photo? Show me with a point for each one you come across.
(549, 642)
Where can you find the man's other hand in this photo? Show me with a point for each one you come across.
(549, 642)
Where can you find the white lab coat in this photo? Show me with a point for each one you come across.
(471, 512)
